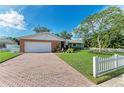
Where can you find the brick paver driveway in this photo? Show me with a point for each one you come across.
(40, 69)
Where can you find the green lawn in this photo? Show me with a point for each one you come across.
(82, 62)
(7, 55)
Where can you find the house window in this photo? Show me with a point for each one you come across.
(74, 44)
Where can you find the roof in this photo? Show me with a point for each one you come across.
(48, 36)
(74, 41)
(43, 36)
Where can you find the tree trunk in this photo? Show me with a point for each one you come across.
(99, 43)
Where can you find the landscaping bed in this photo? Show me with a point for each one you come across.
(4, 56)
(82, 62)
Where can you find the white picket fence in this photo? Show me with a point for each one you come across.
(103, 66)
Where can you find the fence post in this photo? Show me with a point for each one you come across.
(116, 61)
(94, 67)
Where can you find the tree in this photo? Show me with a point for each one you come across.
(39, 29)
(101, 27)
(64, 35)
(14, 39)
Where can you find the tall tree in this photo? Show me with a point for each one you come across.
(39, 29)
(14, 39)
(65, 35)
(102, 25)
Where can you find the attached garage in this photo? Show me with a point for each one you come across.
(41, 42)
(37, 47)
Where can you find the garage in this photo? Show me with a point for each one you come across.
(37, 47)
(41, 42)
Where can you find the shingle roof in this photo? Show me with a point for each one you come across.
(48, 36)
(43, 36)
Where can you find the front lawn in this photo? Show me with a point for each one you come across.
(82, 62)
(7, 55)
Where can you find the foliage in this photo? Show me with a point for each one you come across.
(14, 39)
(82, 62)
(39, 29)
(104, 29)
(70, 50)
(64, 35)
(101, 52)
(57, 49)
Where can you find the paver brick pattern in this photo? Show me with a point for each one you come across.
(40, 70)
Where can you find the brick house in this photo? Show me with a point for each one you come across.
(41, 42)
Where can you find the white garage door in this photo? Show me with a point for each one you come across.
(37, 46)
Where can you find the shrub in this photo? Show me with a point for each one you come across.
(106, 50)
(103, 52)
(70, 50)
(76, 48)
(57, 49)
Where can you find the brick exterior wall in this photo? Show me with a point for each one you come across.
(21, 45)
(54, 44)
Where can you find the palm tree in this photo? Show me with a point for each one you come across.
(65, 35)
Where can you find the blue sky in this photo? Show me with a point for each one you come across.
(18, 21)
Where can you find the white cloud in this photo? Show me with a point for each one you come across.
(13, 20)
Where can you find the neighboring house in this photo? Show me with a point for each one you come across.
(6, 41)
(6, 44)
(42, 42)
(12, 47)
(77, 44)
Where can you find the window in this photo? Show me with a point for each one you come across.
(74, 44)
